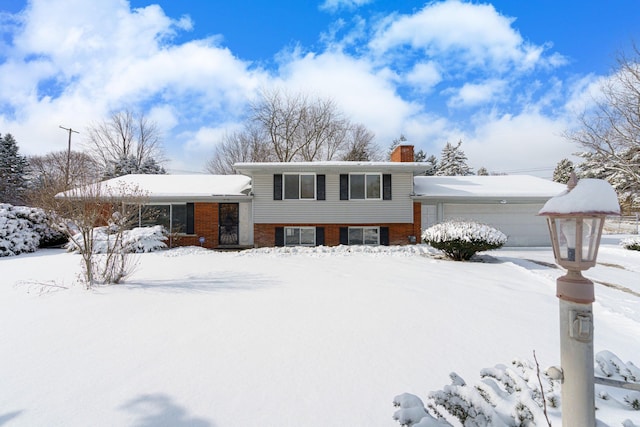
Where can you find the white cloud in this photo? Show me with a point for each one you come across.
(527, 143)
(365, 94)
(473, 94)
(334, 5)
(424, 76)
(476, 34)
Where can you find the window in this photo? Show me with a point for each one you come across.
(299, 236)
(364, 235)
(300, 186)
(364, 186)
(178, 217)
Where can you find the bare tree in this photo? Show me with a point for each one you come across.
(610, 131)
(360, 146)
(248, 145)
(125, 136)
(285, 127)
(79, 211)
(47, 175)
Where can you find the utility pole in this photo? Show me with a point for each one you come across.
(66, 172)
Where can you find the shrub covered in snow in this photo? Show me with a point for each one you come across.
(516, 395)
(136, 240)
(631, 243)
(460, 240)
(24, 229)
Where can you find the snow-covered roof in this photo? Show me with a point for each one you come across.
(595, 196)
(329, 166)
(499, 186)
(180, 187)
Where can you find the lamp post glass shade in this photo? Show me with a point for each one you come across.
(575, 239)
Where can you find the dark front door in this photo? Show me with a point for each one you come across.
(228, 223)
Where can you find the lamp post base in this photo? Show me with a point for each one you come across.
(576, 352)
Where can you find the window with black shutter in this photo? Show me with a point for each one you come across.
(279, 236)
(386, 187)
(277, 187)
(344, 235)
(320, 187)
(190, 229)
(384, 236)
(344, 187)
(319, 236)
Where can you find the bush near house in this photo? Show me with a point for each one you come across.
(136, 240)
(25, 229)
(460, 240)
(632, 243)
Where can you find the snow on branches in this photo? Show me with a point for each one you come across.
(460, 240)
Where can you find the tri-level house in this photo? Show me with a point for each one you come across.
(332, 203)
(336, 203)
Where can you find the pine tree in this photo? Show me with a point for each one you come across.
(453, 161)
(563, 171)
(13, 169)
(482, 171)
(129, 165)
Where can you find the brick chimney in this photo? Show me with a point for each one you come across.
(402, 153)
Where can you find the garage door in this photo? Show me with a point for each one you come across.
(518, 221)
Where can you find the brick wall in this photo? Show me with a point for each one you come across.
(264, 234)
(205, 225)
(402, 153)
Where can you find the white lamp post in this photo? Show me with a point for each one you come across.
(575, 220)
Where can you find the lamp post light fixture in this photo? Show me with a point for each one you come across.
(575, 219)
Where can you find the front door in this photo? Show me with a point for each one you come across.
(228, 224)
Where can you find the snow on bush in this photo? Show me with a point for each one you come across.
(460, 240)
(136, 240)
(24, 229)
(631, 243)
(512, 396)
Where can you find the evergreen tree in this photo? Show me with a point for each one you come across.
(13, 169)
(482, 172)
(129, 165)
(563, 171)
(433, 161)
(420, 156)
(453, 161)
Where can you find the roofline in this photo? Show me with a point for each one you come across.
(249, 168)
(489, 199)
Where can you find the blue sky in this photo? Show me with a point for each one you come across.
(506, 77)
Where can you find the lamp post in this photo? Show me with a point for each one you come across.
(575, 220)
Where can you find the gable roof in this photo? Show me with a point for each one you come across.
(479, 187)
(170, 188)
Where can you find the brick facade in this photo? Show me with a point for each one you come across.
(205, 225)
(402, 153)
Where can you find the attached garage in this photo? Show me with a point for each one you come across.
(508, 203)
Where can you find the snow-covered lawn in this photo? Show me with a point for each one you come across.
(308, 337)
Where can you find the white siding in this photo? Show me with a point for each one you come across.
(518, 221)
(245, 224)
(333, 210)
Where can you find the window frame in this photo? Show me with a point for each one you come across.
(299, 229)
(300, 176)
(363, 229)
(365, 175)
(171, 217)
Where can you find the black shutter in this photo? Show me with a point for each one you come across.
(344, 235)
(386, 186)
(280, 235)
(277, 187)
(344, 187)
(190, 219)
(384, 236)
(319, 236)
(320, 193)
